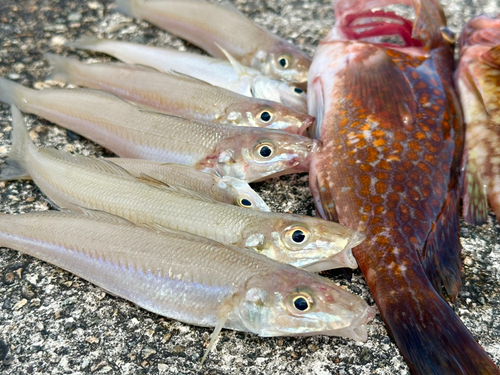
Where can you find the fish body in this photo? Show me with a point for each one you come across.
(75, 182)
(477, 79)
(186, 277)
(179, 95)
(228, 75)
(210, 25)
(224, 189)
(390, 168)
(246, 153)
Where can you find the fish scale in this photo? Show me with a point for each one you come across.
(390, 164)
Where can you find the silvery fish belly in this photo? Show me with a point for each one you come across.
(225, 189)
(381, 89)
(180, 95)
(477, 80)
(228, 75)
(165, 271)
(246, 153)
(75, 181)
(211, 26)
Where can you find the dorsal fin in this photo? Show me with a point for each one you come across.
(100, 165)
(96, 215)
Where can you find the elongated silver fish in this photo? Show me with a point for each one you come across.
(224, 189)
(229, 75)
(74, 181)
(180, 95)
(208, 25)
(189, 278)
(246, 153)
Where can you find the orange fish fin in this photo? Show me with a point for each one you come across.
(377, 84)
(441, 254)
(474, 194)
(430, 19)
(492, 57)
(323, 199)
(416, 325)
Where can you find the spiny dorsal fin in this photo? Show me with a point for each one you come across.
(182, 191)
(240, 69)
(99, 165)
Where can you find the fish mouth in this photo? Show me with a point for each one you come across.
(380, 27)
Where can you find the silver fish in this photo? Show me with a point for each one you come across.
(229, 75)
(246, 153)
(224, 189)
(166, 272)
(179, 94)
(208, 25)
(75, 181)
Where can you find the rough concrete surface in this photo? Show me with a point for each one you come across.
(53, 322)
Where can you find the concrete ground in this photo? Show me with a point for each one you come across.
(52, 322)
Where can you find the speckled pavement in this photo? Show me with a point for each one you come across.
(52, 322)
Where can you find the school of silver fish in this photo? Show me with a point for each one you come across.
(172, 224)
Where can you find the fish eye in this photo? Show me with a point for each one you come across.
(301, 302)
(285, 61)
(264, 150)
(298, 91)
(297, 235)
(266, 116)
(244, 202)
(448, 35)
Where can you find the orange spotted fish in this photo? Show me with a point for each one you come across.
(478, 83)
(381, 90)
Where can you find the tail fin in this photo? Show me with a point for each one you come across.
(431, 337)
(11, 92)
(86, 42)
(60, 66)
(126, 7)
(14, 166)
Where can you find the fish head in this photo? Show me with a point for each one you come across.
(266, 114)
(242, 193)
(482, 30)
(307, 242)
(283, 61)
(256, 153)
(279, 91)
(302, 304)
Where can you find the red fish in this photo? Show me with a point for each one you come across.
(478, 83)
(392, 133)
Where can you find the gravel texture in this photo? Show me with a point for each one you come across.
(54, 322)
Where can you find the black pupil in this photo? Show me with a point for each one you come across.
(265, 116)
(283, 62)
(298, 91)
(298, 236)
(301, 304)
(265, 151)
(246, 202)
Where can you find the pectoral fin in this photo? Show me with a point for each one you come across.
(474, 194)
(222, 318)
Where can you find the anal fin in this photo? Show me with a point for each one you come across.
(441, 258)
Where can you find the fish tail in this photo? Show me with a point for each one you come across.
(88, 42)
(61, 67)
(12, 92)
(14, 166)
(126, 7)
(432, 338)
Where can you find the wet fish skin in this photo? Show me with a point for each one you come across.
(478, 84)
(75, 181)
(221, 73)
(225, 189)
(390, 168)
(131, 132)
(186, 277)
(179, 95)
(199, 22)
